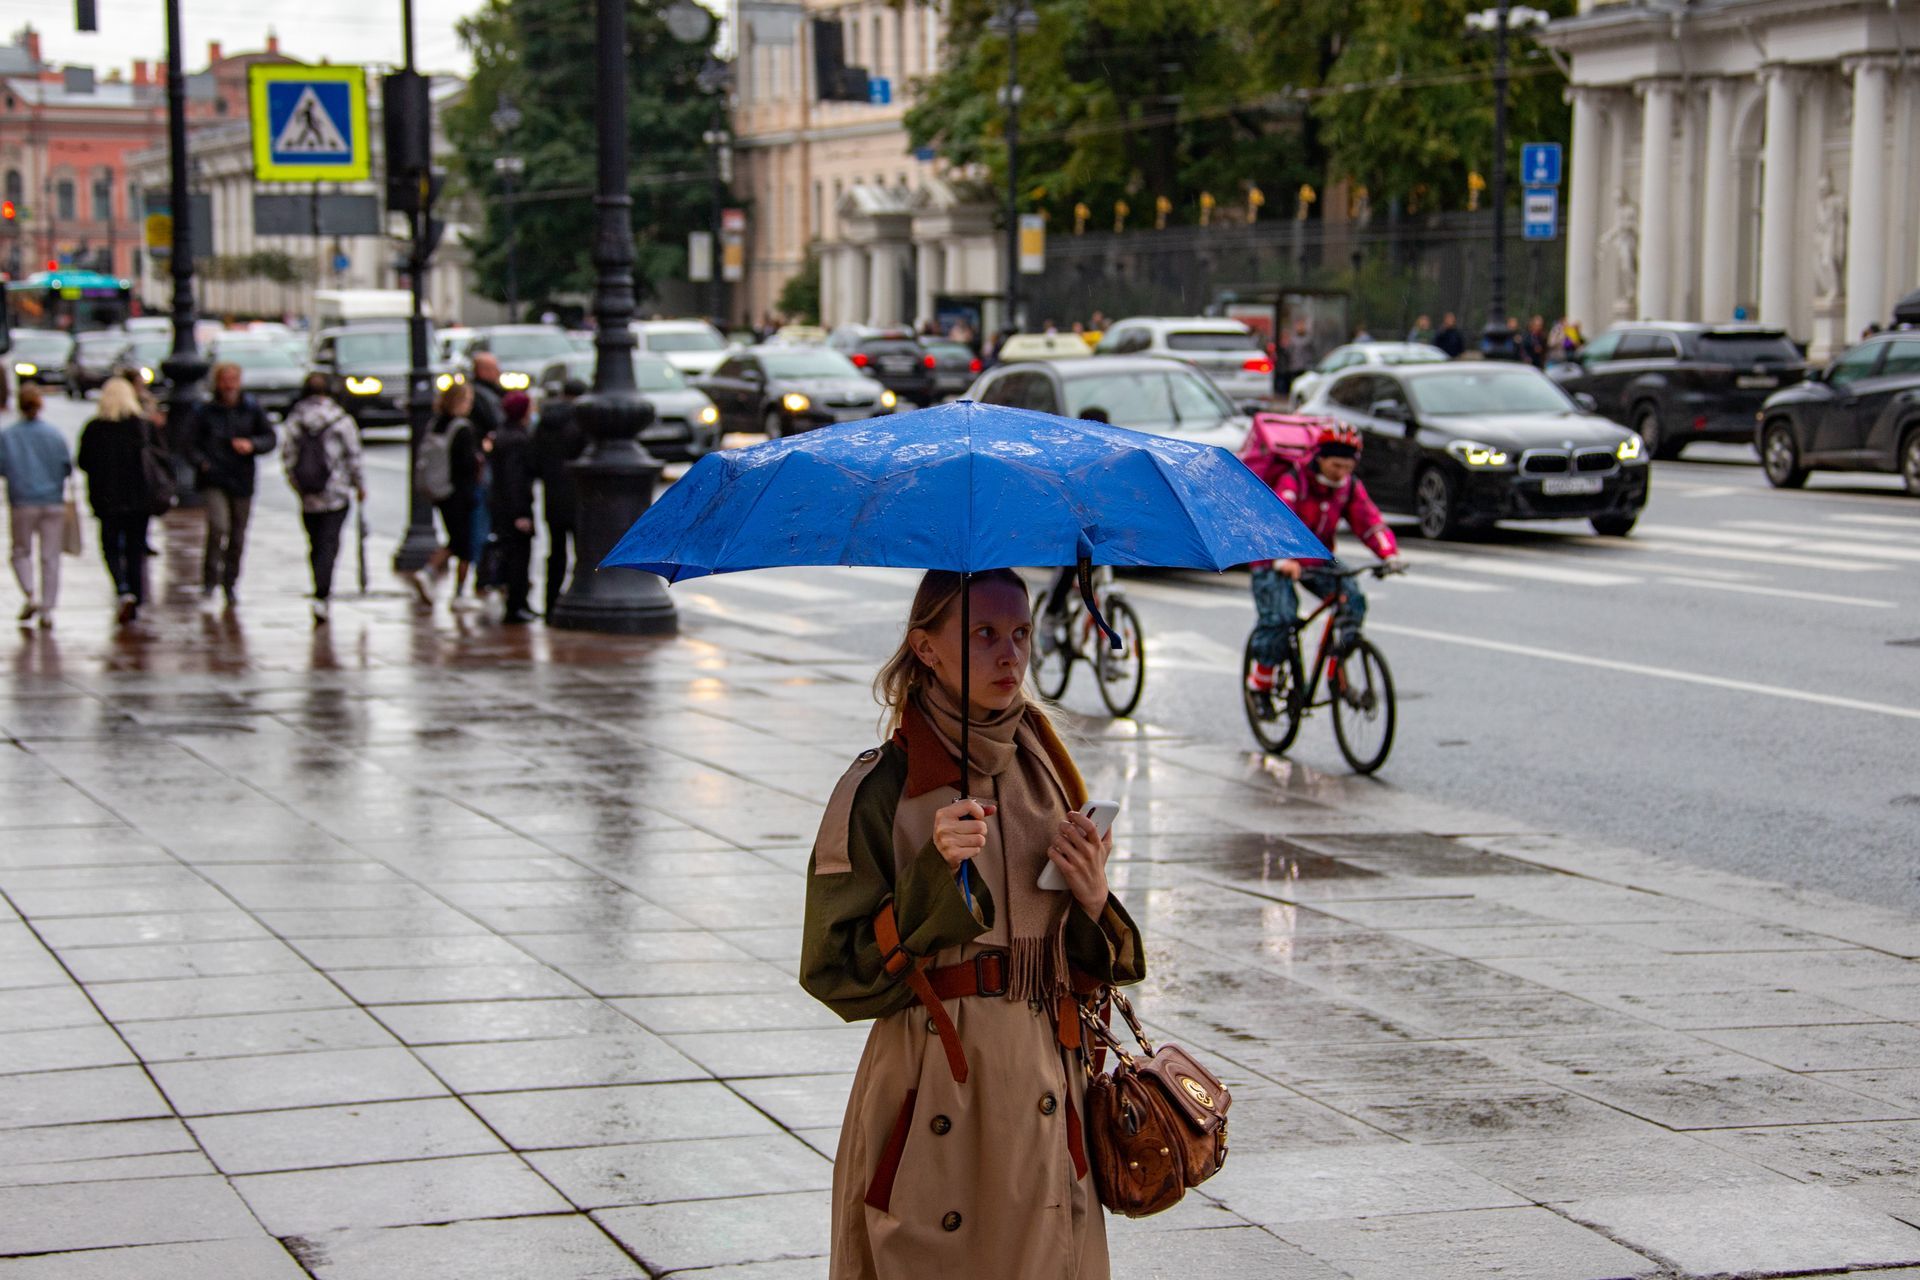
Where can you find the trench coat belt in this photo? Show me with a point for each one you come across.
(912, 970)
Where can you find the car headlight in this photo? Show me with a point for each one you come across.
(794, 402)
(363, 386)
(888, 399)
(146, 374)
(709, 416)
(1632, 449)
(515, 381)
(26, 369)
(444, 382)
(1475, 454)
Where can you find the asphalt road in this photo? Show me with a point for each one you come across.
(1736, 685)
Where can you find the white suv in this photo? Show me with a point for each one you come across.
(1225, 350)
(694, 347)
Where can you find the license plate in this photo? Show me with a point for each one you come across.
(1756, 381)
(1563, 486)
(897, 364)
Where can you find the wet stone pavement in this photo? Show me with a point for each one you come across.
(422, 948)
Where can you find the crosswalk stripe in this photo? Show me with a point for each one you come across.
(774, 585)
(1561, 574)
(1728, 536)
(1193, 597)
(1757, 556)
(1191, 651)
(1440, 582)
(1817, 597)
(1904, 522)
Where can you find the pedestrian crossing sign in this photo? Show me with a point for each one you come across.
(309, 123)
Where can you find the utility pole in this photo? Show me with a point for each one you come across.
(184, 367)
(1496, 340)
(1014, 19)
(411, 185)
(505, 119)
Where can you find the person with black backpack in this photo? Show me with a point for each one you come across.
(446, 471)
(322, 461)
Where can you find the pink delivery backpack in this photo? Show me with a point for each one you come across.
(1280, 442)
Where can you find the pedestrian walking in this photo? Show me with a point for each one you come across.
(1533, 343)
(486, 418)
(558, 439)
(113, 448)
(1422, 330)
(961, 1154)
(447, 472)
(1450, 339)
(321, 460)
(511, 504)
(35, 461)
(227, 435)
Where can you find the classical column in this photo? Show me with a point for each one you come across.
(1656, 193)
(853, 285)
(1906, 194)
(1778, 192)
(883, 285)
(1719, 234)
(927, 279)
(1867, 197)
(1583, 207)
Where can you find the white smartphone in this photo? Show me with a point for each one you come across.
(1102, 813)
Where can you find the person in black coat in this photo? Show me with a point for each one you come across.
(558, 439)
(225, 437)
(111, 449)
(510, 504)
(463, 474)
(1450, 339)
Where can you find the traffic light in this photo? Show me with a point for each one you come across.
(7, 211)
(405, 125)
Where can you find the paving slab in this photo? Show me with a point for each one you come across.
(288, 1080)
(658, 1173)
(501, 1249)
(397, 1194)
(633, 1057)
(707, 1233)
(320, 1137)
(550, 1118)
(1515, 1244)
(101, 1215)
(1772, 1229)
(1272, 1188)
(77, 1097)
(257, 1259)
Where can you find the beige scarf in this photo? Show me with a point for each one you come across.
(1010, 766)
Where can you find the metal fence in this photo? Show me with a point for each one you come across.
(1394, 269)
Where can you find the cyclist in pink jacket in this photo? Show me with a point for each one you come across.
(1322, 491)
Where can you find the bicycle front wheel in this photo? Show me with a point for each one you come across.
(1123, 672)
(1274, 714)
(1363, 708)
(1052, 654)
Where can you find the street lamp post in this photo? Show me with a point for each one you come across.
(420, 542)
(505, 119)
(1496, 341)
(615, 477)
(184, 366)
(1014, 19)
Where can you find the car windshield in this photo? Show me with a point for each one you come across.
(1150, 399)
(686, 340)
(149, 348)
(372, 346)
(1413, 355)
(816, 363)
(527, 347)
(650, 374)
(1748, 348)
(29, 345)
(950, 350)
(1211, 340)
(1487, 391)
(252, 355)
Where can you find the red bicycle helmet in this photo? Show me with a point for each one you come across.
(1337, 440)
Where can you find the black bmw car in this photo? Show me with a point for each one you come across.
(1464, 445)
(784, 390)
(1860, 413)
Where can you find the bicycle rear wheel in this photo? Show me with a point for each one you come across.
(1052, 663)
(1363, 708)
(1274, 716)
(1123, 674)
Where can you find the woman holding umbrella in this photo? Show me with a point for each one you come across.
(962, 1152)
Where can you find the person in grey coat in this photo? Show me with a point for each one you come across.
(321, 459)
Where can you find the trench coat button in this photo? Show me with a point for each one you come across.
(1048, 1104)
(931, 1029)
(941, 1124)
(950, 1223)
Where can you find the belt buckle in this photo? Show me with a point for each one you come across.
(981, 982)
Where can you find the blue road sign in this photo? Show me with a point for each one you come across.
(1540, 213)
(309, 123)
(340, 263)
(1540, 164)
(879, 91)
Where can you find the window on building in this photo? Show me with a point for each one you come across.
(63, 200)
(103, 197)
(878, 45)
(16, 186)
(819, 209)
(853, 41)
(900, 43)
(135, 206)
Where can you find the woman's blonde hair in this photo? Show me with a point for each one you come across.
(118, 400)
(451, 396)
(903, 673)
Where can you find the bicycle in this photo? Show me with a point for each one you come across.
(1122, 673)
(1359, 689)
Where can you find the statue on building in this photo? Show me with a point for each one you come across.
(1623, 239)
(1829, 238)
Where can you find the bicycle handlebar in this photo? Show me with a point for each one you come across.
(1377, 570)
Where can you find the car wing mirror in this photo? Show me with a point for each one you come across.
(1586, 402)
(1389, 411)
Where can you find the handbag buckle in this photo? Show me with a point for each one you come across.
(983, 963)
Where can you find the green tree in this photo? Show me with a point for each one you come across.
(540, 55)
(799, 299)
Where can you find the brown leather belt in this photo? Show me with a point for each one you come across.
(984, 975)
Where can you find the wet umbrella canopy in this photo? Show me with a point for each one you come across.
(965, 487)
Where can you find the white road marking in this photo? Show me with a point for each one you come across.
(1727, 536)
(1816, 597)
(1189, 597)
(1191, 651)
(1658, 673)
(1757, 556)
(774, 585)
(1564, 575)
(1904, 522)
(1705, 490)
(1439, 582)
(1871, 535)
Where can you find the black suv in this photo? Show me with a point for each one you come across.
(1675, 383)
(1860, 413)
(892, 357)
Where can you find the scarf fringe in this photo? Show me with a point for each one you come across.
(1040, 966)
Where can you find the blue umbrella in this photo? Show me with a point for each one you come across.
(966, 487)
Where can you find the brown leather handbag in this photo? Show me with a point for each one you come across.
(1156, 1125)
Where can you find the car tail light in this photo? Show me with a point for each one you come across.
(930, 362)
(1257, 364)
(859, 359)
(974, 365)
(1700, 422)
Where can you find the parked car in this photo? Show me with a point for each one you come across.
(892, 357)
(40, 355)
(694, 347)
(523, 350)
(366, 365)
(1675, 383)
(784, 390)
(267, 373)
(148, 324)
(1306, 385)
(954, 366)
(144, 353)
(1464, 445)
(1225, 350)
(1142, 393)
(685, 423)
(1860, 413)
(94, 355)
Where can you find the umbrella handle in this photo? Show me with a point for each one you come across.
(1084, 570)
(966, 716)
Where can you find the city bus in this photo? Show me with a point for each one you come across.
(72, 301)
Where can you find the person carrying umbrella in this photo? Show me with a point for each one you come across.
(988, 1181)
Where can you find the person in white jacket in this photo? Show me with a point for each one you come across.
(321, 458)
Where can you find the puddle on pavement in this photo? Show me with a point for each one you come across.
(1251, 855)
